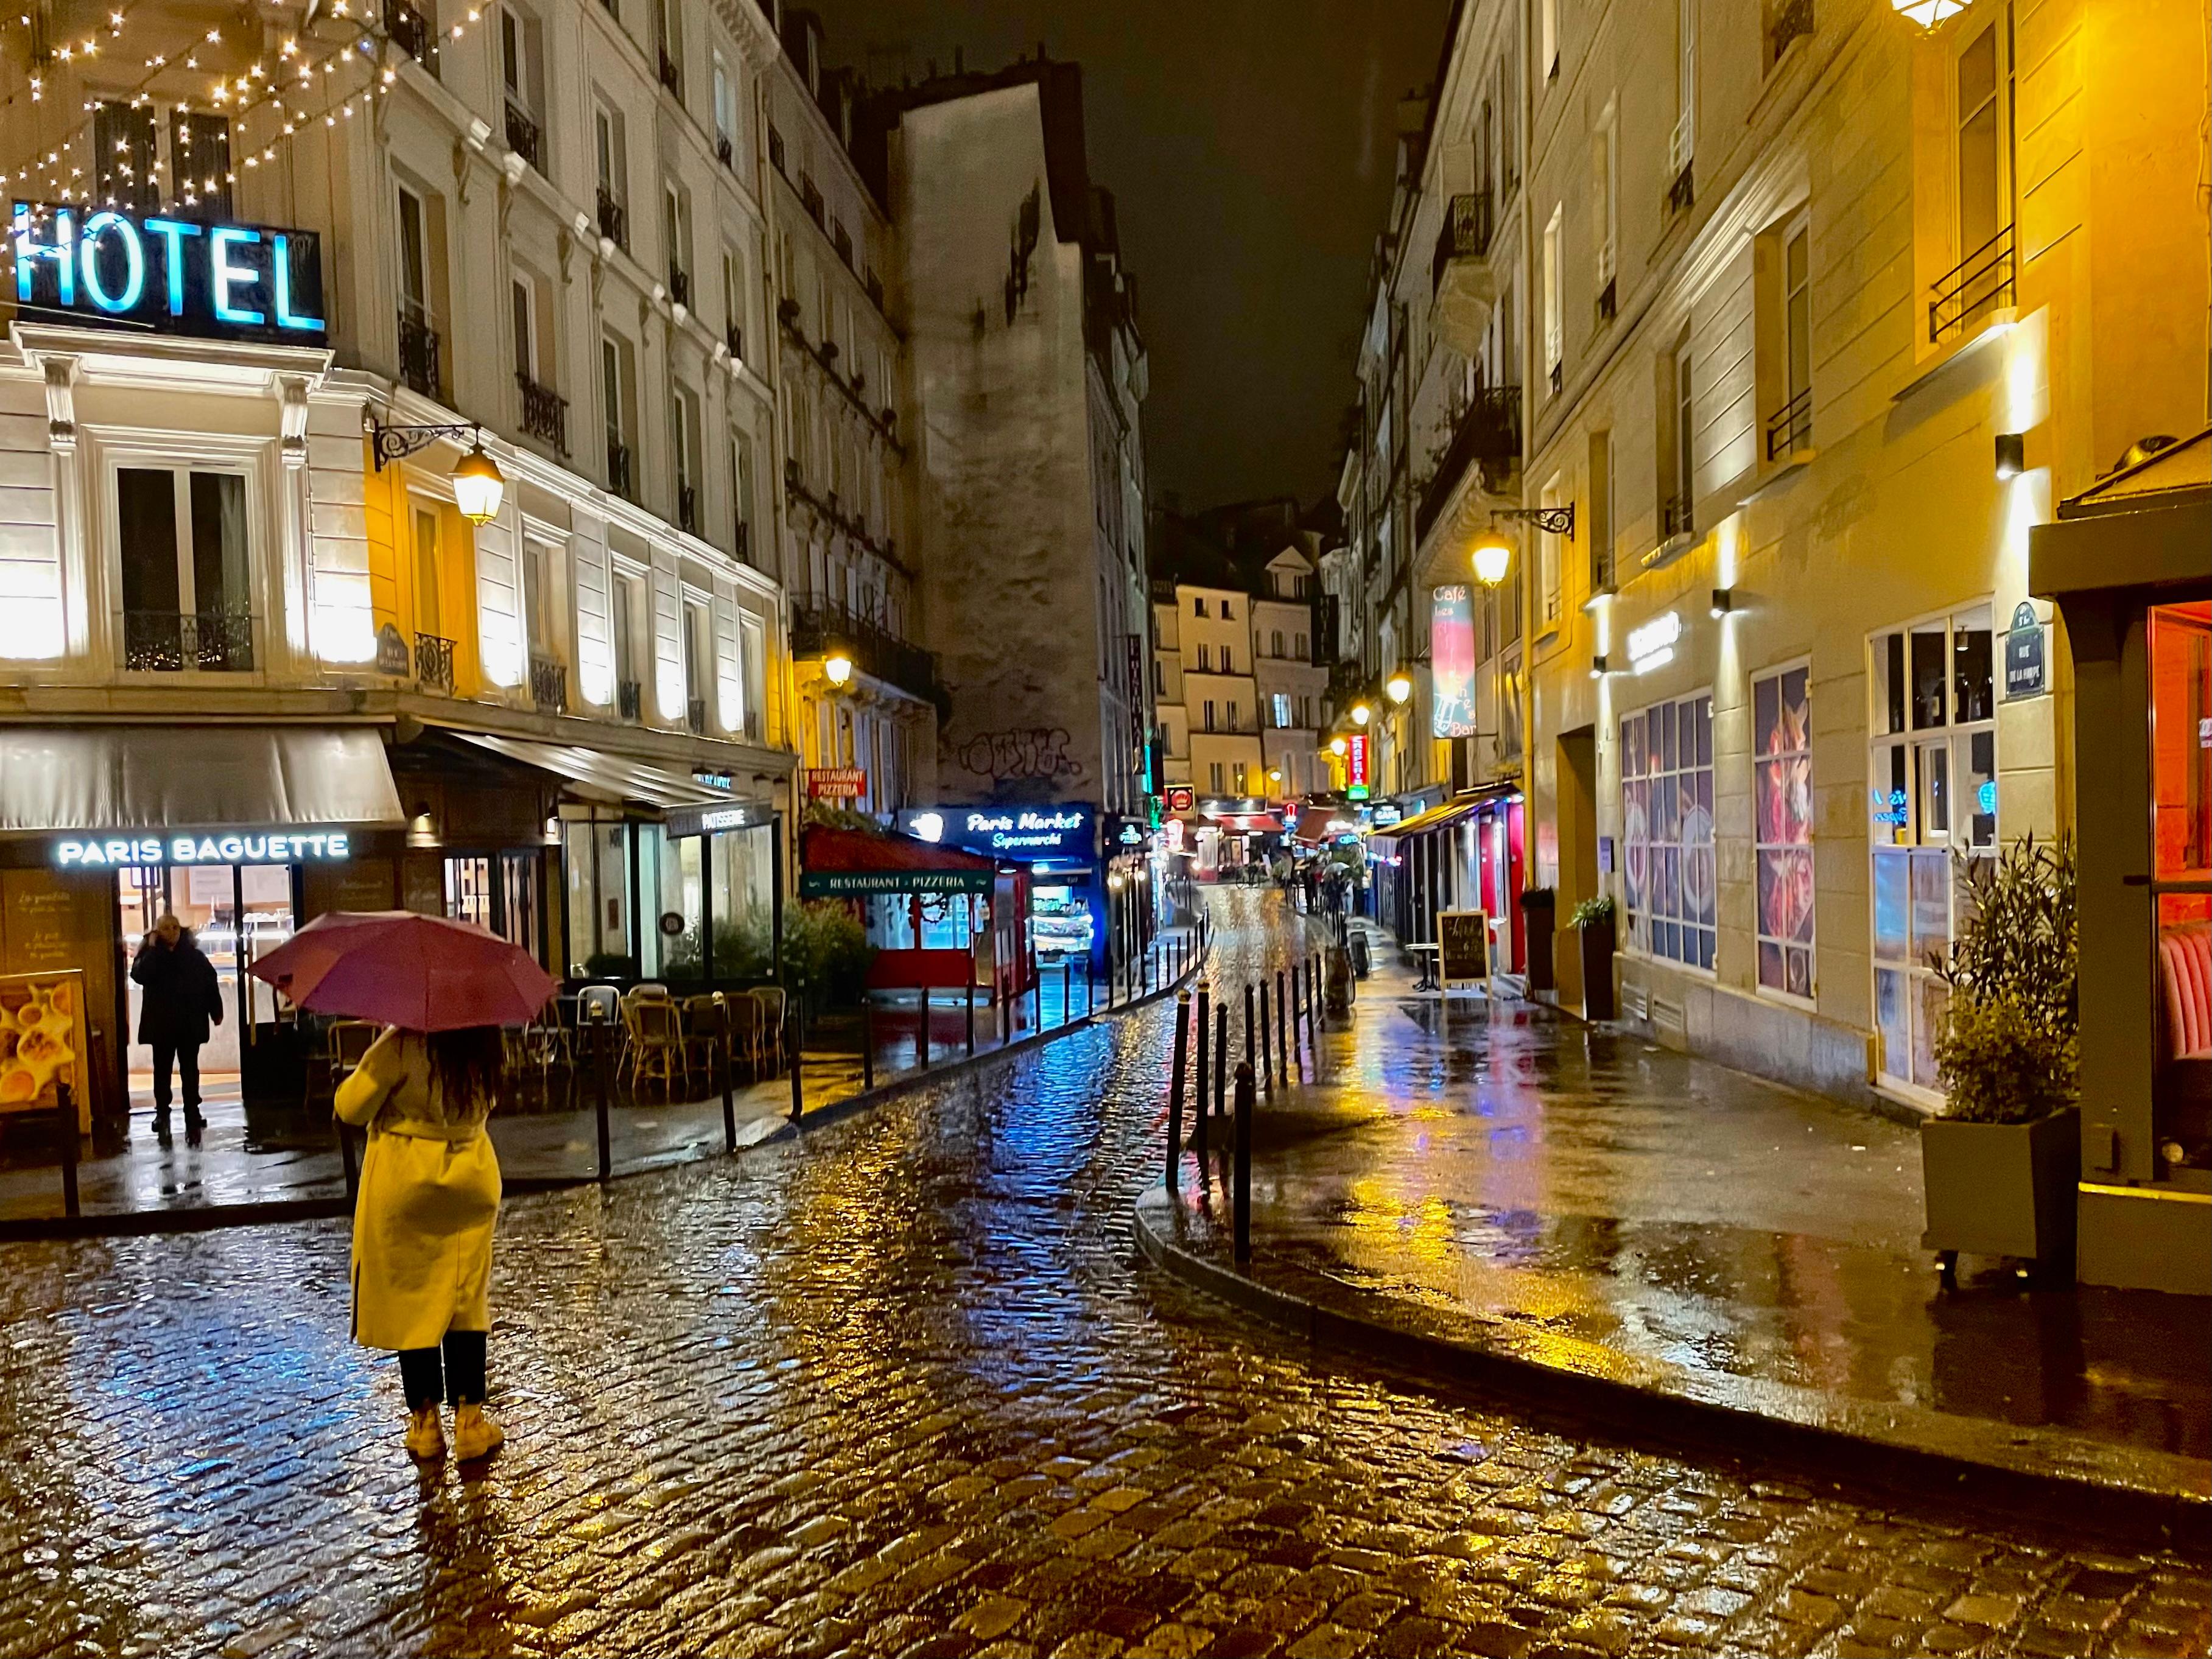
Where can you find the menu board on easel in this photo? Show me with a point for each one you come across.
(1463, 947)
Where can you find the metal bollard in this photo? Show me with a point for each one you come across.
(65, 1125)
(1175, 1090)
(1198, 1133)
(603, 1065)
(1220, 1058)
(1241, 1196)
(1267, 1045)
(729, 1101)
(1282, 1033)
(794, 1037)
(921, 1028)
(868, 1041)
(971, 1010)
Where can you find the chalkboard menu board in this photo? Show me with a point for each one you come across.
(1463, 938)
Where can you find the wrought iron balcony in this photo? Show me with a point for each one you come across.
(670, 76)
(433, 663)
(618, 469)
(1677, 517)
(1977, 285)
(418, 353)
(1465, 234)
(775, 149)
(219, 641)
(614, 221)
(1607, 303)
(687, 508)
(743, 542)
(695, 716)
(549, 684)
(876, 651)
(522, 136)
(1487, 434)
(1791, 428)
(810, 197)
(724, 149)
(544, 412)
(630, 699)
(1682, 194)
(734, 337)
(679, 283)
(411, 32)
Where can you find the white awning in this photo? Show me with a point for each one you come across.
(598, 775)
(194, 777)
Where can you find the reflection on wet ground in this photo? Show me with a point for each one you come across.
(1503, 1160)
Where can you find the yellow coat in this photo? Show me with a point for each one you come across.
(430, 1197)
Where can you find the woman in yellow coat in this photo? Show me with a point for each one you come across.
(422, 1223)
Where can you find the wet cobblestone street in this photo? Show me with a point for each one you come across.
(907, 1387)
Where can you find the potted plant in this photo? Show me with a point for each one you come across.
(1539, 916)
(1592, 920)
(2000, 1165)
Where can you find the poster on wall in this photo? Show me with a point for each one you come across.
(1451, 644)
(42, 1042)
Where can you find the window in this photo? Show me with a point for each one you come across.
(1276, 640)
(1547, 557)
(726, 111)
(741, 489)
(1666, 829)
(1215, 774)
(617, 389)
(1209, 714)
(536, 599)
(1785, 337)
(1282, 702)
(2180, 668)
(629, 605)
(1781, 799)
(1682, 145)
(123, 144)
(429, 603)
(1678, 516)
(611, 166)
(698, 669)
(1933, 790)
(185, 569)
(1302, 651)
(1228, 664)
(675, 240)
(1981, 149)
(1605, 200)
(733, 302)
(1198, 607)
(1243, 778)
(1554, 329)
(525, 337)
(199, 161)
(1205, 659)
(1600, 515)
(1227, 614)
(1233, 716)
(752, 674)
(1548, 52)
(684, 434)
(414, 258)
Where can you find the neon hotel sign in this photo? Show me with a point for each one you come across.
(176, 275)
(221, 847)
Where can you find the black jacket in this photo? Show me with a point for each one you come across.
(181, 993)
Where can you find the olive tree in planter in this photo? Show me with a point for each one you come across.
(1592, 920)
(2000, 1165)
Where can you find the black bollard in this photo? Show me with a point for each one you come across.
(1198, 1129)
(729, 1101)
(1220, 1059)
(604, 1058)
(1267, 1045)
(1247, 1025)
(65, 1125)
(868, 1041)
(1241, 1196)
(1175, 1090)
(921, 1028)
(971, 1013)
(794, 1038)
(1282, 1033)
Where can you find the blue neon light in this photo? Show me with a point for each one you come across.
(173, 232)
(59, 251)
(281, 266)
(228, 276)
(134, 262)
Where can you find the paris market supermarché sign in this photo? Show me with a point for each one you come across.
(172, 275)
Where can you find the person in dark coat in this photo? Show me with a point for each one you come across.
(181, 996)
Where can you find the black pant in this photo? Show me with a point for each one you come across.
(463, 1379)
(187, 1055)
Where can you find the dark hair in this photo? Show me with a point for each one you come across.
(467, 1064)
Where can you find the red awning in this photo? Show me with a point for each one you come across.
(844, 863)
(1248, 824)
(1314, 823)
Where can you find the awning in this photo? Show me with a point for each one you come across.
(1247, 824)
(196, 777)
(598, 775)
(843, 863)
(1435, 818)
(1314, 823)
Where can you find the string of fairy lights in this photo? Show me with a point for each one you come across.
(295, 83)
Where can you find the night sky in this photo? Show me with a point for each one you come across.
(1250, 145)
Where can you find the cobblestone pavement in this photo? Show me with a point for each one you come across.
(907, 1389)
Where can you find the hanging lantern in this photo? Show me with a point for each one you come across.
(1399, 687)
(1929, 14)
(1493, 557)
(478, 488)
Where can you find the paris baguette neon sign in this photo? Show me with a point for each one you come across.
(178, 275)
(221, 847)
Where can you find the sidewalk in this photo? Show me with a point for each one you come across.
(291, 1160)
(1501, 1177)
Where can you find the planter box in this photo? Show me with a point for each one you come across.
(1597, 973)
(2003, 1188)
(1539, 907)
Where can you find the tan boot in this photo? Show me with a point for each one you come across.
(475, 1435)
(426, 1440)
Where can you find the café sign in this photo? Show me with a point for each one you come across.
(218, 280)
(257, 846)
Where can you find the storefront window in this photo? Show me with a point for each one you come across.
(743, 862)
(2181, 836)
(1666, 829)
(1782, 739)
(1932, 790)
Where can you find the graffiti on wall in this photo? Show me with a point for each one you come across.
(1021, 753)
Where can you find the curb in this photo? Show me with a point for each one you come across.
(208, 1218)
(2065, 1477)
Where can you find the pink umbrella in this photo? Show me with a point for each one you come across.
(424, 973)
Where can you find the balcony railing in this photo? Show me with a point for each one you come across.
(1465, 234)
(687, 508)
(877, 652)
(433, 663)
(169, 642)
(775, 149)
(614, 221)
(544, 412)
(743, 542)
(411, 32)
(618, 469)
(630, 699)
(1488, 435)
(679, 284)
(1791, 428)
(549, 684)
(725, 150)
(1792, 19)
(695, 716)
(1608, 300)
(418, 354)
(522, 136)
(734, 337)
(1677, 517)
(1682, 194)
(1973, 288)
(810, 197)
(670, 76)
